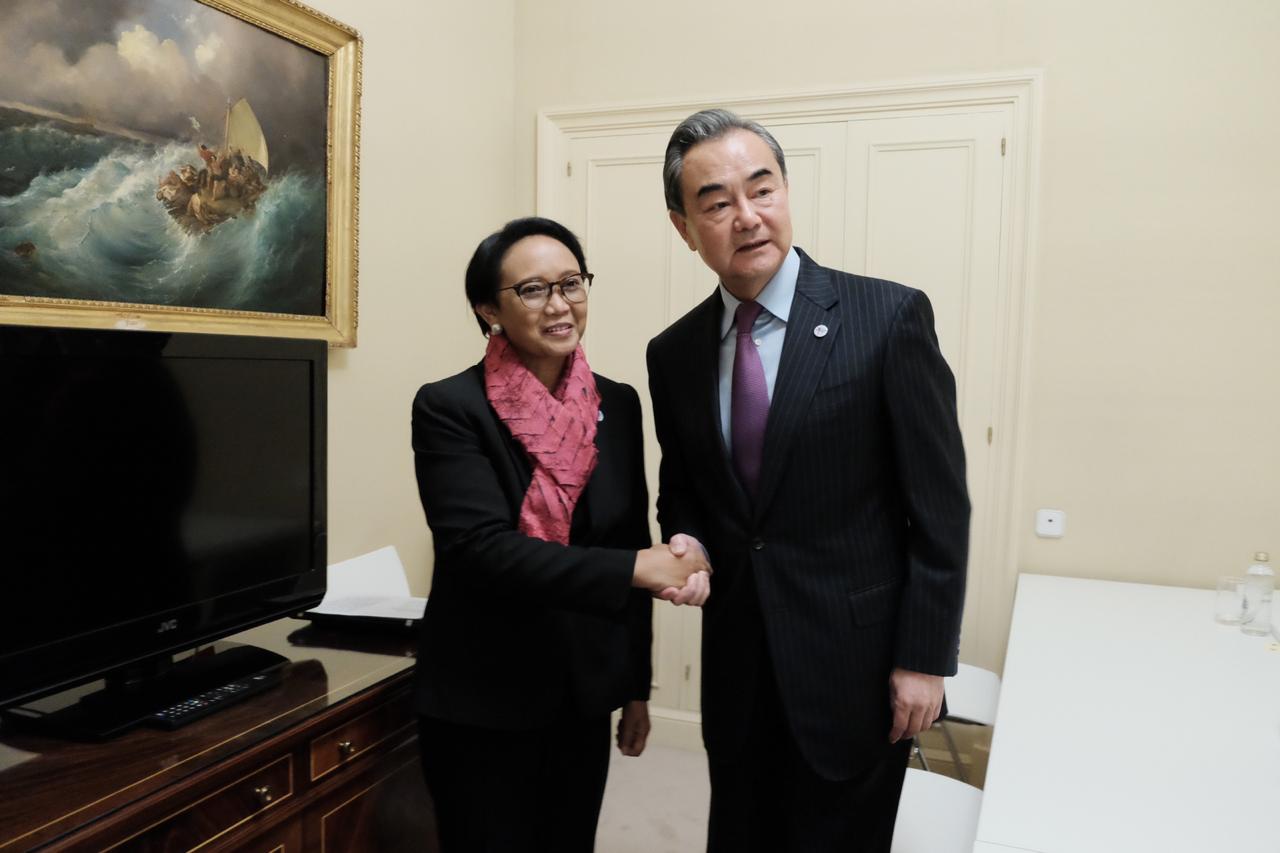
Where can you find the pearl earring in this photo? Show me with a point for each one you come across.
(495, 329)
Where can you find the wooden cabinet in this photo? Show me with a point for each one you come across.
(376, 817)
(326, 761)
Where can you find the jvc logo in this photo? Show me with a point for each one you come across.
(167, 625)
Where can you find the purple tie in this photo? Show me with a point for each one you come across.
(749, 406)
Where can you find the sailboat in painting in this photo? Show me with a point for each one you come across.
(231, 180)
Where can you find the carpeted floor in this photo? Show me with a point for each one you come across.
(657, 803)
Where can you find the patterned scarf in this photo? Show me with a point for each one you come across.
(556, 428)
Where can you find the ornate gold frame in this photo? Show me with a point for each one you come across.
(343, 48)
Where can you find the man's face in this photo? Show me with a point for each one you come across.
(737, 215)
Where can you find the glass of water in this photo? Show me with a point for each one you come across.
(1228, 606)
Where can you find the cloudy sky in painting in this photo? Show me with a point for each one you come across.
(160, 67)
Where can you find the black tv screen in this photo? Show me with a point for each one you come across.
(157, 491)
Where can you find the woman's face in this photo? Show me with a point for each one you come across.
(544, 337)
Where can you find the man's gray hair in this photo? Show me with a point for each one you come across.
(702, 127)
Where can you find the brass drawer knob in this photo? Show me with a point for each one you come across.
(346, 748)
(264, 795)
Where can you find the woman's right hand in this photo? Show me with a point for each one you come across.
(697, 588)
(661, 567)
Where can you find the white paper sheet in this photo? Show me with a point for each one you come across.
(371, 585)
(12, 757)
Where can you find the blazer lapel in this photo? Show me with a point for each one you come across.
(804, 354)
(593, 494)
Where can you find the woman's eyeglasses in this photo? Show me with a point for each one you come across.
(535, 292)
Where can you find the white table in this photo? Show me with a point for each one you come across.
(1130, 721)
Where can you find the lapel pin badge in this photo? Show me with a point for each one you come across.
(819, 331)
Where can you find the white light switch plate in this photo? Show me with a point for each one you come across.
(1051, 523)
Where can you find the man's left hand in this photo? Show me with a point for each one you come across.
(916, 698)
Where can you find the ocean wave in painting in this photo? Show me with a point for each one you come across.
(79, 219)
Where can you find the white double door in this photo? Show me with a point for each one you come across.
(917, 199)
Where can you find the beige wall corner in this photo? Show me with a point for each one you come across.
(436, 175)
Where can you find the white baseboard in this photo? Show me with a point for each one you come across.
(676, 728)
(672, 727)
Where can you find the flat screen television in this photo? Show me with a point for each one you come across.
(157, 492)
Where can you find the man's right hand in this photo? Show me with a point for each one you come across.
(695, 592)
(665, 568)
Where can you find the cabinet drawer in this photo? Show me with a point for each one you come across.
(212, 816)
(357, 736)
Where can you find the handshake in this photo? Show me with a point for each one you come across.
(678, 572)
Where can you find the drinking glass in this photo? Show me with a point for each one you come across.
(1228, 606)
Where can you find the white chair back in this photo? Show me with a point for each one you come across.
(972, 695)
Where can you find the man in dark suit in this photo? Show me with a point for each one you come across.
(815, 454)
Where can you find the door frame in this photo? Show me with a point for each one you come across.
(1018, 92)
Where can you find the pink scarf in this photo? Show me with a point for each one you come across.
(556, 428)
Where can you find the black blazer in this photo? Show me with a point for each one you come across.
(519, 632)
(852, 560)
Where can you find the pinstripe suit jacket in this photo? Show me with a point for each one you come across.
(852, 559)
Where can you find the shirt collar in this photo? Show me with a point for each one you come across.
(775, 298)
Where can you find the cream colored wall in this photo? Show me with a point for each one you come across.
(1153, 415)
(436, 175)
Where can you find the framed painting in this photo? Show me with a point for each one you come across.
(179, 165)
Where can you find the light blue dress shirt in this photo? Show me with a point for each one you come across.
(768, 332)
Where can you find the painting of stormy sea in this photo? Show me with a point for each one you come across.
(160, 152)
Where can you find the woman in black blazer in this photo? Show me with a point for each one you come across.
(538, 625)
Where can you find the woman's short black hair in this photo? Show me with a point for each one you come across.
(484, 273)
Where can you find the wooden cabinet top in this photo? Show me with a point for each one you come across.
(49, 787)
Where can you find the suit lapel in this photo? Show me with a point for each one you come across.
(705, 376)
(804, 354)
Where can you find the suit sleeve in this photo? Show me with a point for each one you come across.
(677, 507)
(929, 455)
(474, 535)
(640, 603)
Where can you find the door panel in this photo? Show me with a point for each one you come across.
(925, 208)
(645, 278)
